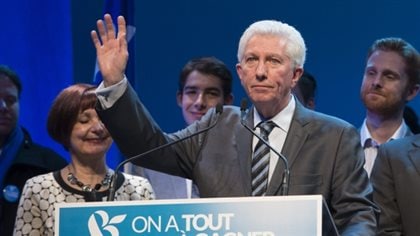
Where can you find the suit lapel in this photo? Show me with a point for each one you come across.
(414, 154)
(244, 150)
(294, 141)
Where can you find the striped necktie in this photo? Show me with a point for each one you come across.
(261, 161)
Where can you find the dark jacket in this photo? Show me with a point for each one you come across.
(32, 159)
(396, 182)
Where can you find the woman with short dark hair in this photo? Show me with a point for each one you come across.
(74, 123)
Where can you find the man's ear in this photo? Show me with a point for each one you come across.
(296, 76)
(239, 71)
(412, 92)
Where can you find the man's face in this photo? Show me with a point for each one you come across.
(267, 73)
(201, 92)
(9, 106)
(384, 89)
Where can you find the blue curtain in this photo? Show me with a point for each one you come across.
(36, 42)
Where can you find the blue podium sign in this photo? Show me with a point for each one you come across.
(243, 216)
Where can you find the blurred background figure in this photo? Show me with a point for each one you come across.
(74, 123)
(20, 157)
(203, 83)
(305, 90)
(411, 119)
(391, 79)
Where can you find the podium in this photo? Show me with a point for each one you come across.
(242, 216)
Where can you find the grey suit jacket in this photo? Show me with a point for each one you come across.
(396, 181)
(324, 154)
(164, 186)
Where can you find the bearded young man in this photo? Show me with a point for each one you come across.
(391, 79)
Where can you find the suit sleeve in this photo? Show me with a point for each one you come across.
(135, 132)
(385, 195)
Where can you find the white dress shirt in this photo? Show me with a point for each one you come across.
(278, 135)
(370, 145)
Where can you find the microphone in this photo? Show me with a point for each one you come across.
(286, 174)
(113, 183)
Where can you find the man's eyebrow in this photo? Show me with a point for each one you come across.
(190, 87)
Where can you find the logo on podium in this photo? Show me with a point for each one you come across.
(106, 224)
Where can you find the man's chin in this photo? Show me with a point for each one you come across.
(195, 115)
(261, 99)
(5, 130)
(382, 109)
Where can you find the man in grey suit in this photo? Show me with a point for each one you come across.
(396, 182)
(324, 152)
(203, 83)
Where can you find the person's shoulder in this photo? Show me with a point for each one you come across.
(395, 155)
(33, 153)
(225, 110)
(39, 179)
(398, 152)
(402, 143)
(46, 156)
(231, 109)
(35, 185)
(228, 113)
(323, 119)
(43, 150)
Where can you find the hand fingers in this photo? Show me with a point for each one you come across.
(95, 39)
(122, 28)
(106, 31)
(122, 33)
(109, 26)
(101, 30)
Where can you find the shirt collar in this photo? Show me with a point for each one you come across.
(364, 133)
(401, 132)
(283, 119)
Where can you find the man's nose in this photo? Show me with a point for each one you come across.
(201, 100)
(3, 104)
(377, 81)
(261, 71)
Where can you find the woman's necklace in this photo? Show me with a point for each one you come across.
(86, 187)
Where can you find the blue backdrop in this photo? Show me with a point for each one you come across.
(48, 43)
(36, 42)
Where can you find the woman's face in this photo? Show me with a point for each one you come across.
(89, 137)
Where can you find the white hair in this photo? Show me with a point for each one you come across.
(295, 48)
